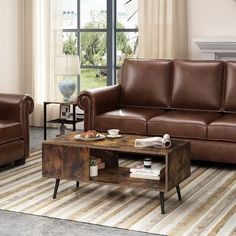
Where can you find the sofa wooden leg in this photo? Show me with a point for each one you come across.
(20, 162)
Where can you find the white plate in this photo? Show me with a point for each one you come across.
(98, 137)
(117, 136)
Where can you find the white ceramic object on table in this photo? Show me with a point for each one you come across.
(117, 136)
(67, 88)
(98, 137)
(113, 132)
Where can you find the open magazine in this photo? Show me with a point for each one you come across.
(154, 141)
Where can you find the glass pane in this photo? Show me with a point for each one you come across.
(93, 48)
(127, 14)
(118, 75)
(69, 14)
(93, 14)
(69, 43)
(126, 46)
(93, 78)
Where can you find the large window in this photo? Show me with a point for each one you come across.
(103, 33)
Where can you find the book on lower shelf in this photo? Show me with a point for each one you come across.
(140, 176)
(157, 172)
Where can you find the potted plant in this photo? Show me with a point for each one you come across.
(93, 168)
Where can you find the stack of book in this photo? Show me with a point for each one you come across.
(157, 172)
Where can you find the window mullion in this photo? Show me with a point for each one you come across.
(111, 48)
(78, 41)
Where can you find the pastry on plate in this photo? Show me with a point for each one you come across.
(89, 134)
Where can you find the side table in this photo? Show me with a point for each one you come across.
(75, 117)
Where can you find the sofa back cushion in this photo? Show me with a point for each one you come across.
(230, 87)
(145, 83)
(197, 85)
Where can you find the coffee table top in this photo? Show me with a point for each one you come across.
(123, 144)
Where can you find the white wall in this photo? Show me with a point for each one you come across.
(11, 46)
(210, 19)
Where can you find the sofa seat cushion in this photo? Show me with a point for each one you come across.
(185, 124)
(224, 128)
(127, 120)
(9, 131)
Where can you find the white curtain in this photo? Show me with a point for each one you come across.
(43, 40)
(162, 29)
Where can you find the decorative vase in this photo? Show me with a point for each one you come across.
(93, 171)
(67, 88)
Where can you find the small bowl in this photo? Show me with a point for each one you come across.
(113, 132)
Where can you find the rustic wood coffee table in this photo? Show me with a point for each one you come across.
(66, 158)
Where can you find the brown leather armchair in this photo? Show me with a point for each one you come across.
(14, 127)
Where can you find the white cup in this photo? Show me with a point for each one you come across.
(113, 132)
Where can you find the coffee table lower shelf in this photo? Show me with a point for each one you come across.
(121, 176)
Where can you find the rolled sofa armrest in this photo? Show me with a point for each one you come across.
(18, 107)
(15, 106)
(97, 101)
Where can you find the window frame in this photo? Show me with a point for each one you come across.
(111, 32)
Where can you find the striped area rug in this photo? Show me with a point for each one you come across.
(208, 206)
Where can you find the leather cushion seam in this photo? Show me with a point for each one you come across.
(178, 123)
(228, 126)
(118, 118)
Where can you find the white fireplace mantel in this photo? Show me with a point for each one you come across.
(217, 49)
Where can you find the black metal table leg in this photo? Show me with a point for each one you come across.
(56, 188)
(162, 200)
(74, 117)
(178, 192)
(77, 184)
(45, 120)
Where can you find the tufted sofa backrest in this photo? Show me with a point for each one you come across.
(179, 84)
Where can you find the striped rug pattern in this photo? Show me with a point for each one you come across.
(208, 206)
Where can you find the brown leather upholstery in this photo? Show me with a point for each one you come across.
(185, 124)
(193, 100)
(12, 151)
(230, 87)
(97, 101)
(145, 84)
(14, 127)
(9, 131)
(215, 151)
(223, 128)
(197, 85)
(127, 120)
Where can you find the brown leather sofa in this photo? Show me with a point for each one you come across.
(194, 100)
(14, 128)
